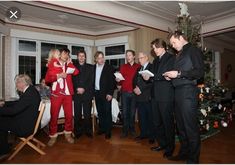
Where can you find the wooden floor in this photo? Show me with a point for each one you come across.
(217, 149)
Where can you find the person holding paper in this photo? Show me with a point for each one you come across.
(142, 90)
(163, 99)
(128, 71)
(61, 97)
(84, 92)
(188, 68)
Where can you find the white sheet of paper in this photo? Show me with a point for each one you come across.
(147, 72)
(119, 76)
(70, 70)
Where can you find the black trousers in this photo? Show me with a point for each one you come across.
(186, 112)
(144, 110)
(104, 113)
(82, 107)
(163, 124)
(6, 124)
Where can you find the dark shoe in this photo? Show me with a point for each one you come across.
(123, 135)
(137, 138)
(77, 136)
(100, 132)
(157, 148)
(6, 153)
(89, 135)
(151, 141)
(178, 158)
(133, 134)
(167, 155)
(4, 157)
(108, 136)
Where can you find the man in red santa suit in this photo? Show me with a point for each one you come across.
(62, 97)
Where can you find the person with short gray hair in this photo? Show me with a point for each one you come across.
(19, 117)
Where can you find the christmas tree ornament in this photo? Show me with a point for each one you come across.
(220, 106)
(224, 124)
(216, 124)
(207, 89)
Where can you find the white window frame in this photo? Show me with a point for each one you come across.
(29, 54)
(17, 35)
(116, 41)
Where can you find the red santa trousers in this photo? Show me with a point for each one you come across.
(56, 102)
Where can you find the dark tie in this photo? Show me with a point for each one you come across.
(142, 68)
(157, 65)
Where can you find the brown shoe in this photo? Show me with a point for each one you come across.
(52, 141)
(69, 138)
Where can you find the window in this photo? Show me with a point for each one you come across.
(114, 50)
(116, 63)
(75, 50)
(27, 65)
(27, 46)
(115, 55)
(45, 49)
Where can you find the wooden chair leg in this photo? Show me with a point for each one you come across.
(39, 142)
(36, 148)
(21, 145)
(17, 146)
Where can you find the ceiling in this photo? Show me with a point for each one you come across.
(82, 24)
(95, 22)
(169, 9)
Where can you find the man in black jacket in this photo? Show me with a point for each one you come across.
(188, 68)
(142, 90)
(20, 116)
(84, 91)
(163, 99)
(104, 88)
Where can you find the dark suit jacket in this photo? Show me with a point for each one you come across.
(24, 112)
(145, 86)
(85, 79)
(107, 80)
(162, 89)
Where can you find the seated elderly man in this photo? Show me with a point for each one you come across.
(20, 116)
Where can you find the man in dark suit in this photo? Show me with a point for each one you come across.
(142, 90)
(84, 91)
(20, 116)
(104, 88)
(188, 67)
(163, 99)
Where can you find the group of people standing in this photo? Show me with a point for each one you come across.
(166, 102)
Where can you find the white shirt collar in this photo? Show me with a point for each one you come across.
(145, 65)
(162, 55)
(26, 88)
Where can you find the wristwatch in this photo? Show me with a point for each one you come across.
(178, 74)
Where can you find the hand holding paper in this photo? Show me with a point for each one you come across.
(146, 72)
(119, 76)
(70, 70)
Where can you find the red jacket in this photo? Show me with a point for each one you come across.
(51, 76)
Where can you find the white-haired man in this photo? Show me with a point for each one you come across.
(20, 116)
